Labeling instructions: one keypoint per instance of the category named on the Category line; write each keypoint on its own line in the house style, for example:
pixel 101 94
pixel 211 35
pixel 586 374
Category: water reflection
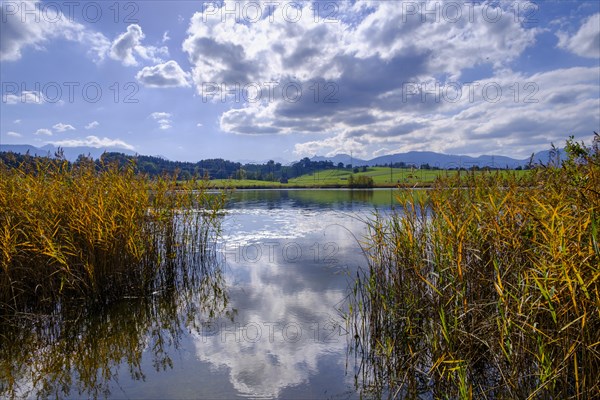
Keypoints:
pixel 340 199
pixel 287 271
pixel 79 351
pixel 257 316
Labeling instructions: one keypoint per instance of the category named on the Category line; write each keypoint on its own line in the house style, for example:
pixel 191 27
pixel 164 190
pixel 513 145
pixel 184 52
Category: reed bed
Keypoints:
pixel 95 232
pixel 73 353
pixel 488 287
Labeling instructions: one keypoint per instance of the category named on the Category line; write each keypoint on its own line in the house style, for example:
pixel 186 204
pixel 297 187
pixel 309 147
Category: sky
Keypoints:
pixel 252 81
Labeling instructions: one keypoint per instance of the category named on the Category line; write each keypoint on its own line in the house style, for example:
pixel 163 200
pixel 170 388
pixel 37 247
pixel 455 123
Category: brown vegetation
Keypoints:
pixel 487 287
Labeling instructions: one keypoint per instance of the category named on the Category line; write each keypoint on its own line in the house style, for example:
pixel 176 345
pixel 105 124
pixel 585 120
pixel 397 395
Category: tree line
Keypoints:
pixel 214 168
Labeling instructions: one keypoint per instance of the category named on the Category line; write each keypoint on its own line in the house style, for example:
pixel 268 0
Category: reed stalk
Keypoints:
pixel 95 232
pixel 486 288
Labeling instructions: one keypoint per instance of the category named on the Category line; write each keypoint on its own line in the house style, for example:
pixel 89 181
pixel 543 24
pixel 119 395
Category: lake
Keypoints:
pixel 262 320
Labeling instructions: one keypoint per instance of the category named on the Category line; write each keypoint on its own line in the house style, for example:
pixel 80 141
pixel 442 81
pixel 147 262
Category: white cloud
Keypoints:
pixel 163 119
pixel 586 41
pixel 92 125
pixel 17 121
pixel 164 123
pixel 13 134
pixel 168 74
pixel 18 33
pixel 26 97
pixel 380 152
pixel 94 141
pixel 548 110
pixel 369 55
pixel 229 51
pixel 199 125
pixel 60 127
pixel 361 62
pixel 43 131
pixel 98 45
pixel 331 146
pixel 123 46
pixel 166 37
pixel 128 45
pixel 159 115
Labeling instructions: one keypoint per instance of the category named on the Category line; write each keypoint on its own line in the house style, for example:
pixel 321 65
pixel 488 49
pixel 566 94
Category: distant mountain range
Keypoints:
pixel 416 158
pixel 280 160
pixel 440 160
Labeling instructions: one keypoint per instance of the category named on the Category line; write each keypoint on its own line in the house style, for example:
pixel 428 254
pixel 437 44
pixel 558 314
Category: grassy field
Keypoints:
pixel 382 177
pixel 487 287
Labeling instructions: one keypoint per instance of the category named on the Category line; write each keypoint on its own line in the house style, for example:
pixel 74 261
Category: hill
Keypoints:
pixel 439 160
pixel 342 158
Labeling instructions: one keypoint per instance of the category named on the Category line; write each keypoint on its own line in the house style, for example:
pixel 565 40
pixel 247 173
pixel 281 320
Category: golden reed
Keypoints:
pixel 487 286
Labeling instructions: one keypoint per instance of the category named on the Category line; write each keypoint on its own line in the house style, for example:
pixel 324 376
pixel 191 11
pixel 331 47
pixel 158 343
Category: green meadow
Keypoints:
pixel 382 177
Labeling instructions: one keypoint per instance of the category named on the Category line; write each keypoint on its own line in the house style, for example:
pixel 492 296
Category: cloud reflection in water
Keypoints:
pixel 287 269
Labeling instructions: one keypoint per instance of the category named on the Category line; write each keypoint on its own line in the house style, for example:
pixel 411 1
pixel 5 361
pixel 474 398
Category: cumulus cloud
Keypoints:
pixel 60 127
pixel 17 121
pixel 160 114
pixel 549 106
pixel 123 46
pixel 163 119
pixel 94 141
pixel 586 41
pixel 345 77
pixel 18 33
pixel 92 125
pixel 168 74
pixel 13 134
pixel 26 97
pixel 380 77
pixel 43 131
pixel 230 51
pixel 128 45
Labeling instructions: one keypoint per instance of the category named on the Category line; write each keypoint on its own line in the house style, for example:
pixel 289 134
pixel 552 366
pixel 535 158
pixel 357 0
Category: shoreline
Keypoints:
pixel 325 186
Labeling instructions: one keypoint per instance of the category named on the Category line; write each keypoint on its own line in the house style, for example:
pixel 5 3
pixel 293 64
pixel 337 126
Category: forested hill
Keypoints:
pixel 211 168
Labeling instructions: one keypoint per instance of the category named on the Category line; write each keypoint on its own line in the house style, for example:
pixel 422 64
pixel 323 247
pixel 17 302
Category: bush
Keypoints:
pixel 360 181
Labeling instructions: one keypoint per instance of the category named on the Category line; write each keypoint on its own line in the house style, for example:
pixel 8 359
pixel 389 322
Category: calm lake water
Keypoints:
pixel 264 322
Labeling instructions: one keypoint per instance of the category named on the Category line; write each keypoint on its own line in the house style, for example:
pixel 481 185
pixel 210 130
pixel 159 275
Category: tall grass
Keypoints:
pixel 486 288
pixel 95 232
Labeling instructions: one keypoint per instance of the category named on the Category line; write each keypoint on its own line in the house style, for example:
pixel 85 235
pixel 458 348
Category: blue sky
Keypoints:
pixel 250 80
